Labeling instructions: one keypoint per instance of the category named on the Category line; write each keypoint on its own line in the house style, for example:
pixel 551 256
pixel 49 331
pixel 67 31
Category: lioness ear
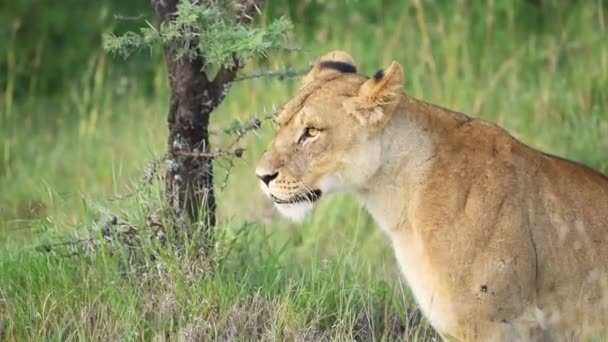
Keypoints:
pixel 378 97
pixel 331 63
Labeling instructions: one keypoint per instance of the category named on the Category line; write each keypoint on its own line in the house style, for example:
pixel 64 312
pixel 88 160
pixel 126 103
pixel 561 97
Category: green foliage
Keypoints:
pixel 44 47
pixel 207 32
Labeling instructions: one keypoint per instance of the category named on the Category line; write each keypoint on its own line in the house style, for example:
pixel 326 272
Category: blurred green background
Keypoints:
pixel 77 127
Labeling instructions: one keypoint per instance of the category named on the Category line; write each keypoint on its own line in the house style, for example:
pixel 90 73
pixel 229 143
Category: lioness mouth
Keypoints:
pixel 308 196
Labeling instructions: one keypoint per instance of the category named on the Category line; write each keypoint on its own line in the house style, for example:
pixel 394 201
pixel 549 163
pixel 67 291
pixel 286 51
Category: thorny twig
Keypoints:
pixel 112 231
pixel 254 124
pixel 238 152
pixel 83 245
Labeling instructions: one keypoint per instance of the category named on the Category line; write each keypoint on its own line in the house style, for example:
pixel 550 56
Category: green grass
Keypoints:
pixel 542 75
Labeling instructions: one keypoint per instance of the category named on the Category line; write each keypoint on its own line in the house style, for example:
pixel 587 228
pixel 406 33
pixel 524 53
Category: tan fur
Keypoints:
pixel 498 241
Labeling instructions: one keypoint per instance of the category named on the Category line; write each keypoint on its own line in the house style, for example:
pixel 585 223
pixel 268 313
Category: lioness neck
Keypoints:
pixel 408 145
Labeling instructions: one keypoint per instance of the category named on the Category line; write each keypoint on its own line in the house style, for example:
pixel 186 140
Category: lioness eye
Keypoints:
pixel 309 132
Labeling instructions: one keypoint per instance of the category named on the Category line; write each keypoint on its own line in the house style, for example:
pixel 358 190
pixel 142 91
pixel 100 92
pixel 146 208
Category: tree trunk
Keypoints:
pixel 189 178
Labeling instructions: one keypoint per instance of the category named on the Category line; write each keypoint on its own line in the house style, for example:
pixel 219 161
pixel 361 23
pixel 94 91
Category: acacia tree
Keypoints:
pixel 205 43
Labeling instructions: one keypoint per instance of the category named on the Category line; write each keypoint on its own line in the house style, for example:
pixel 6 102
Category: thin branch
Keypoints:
pixel 227 172
pixel 238 152
pixel 280 74
pixel 53 246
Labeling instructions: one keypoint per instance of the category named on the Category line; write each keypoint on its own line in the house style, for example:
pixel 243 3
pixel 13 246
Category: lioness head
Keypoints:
pixel 328 136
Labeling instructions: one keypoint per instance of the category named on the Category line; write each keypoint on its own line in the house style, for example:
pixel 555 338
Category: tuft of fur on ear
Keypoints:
pixel 378 97
pixel 333 62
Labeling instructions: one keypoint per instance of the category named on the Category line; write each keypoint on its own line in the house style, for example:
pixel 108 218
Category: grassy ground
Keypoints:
pixel 543 74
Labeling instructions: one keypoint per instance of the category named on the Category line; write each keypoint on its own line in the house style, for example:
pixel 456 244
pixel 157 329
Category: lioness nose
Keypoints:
pixel 267 178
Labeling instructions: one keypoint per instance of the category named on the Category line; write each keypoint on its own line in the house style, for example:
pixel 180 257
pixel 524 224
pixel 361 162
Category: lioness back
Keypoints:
pixel 572 278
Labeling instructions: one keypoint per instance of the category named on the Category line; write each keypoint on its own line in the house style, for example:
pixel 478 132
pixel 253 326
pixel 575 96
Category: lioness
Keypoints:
pixel 498 241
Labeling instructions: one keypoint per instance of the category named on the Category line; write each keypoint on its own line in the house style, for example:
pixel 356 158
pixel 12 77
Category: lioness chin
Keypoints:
pixel 498 241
